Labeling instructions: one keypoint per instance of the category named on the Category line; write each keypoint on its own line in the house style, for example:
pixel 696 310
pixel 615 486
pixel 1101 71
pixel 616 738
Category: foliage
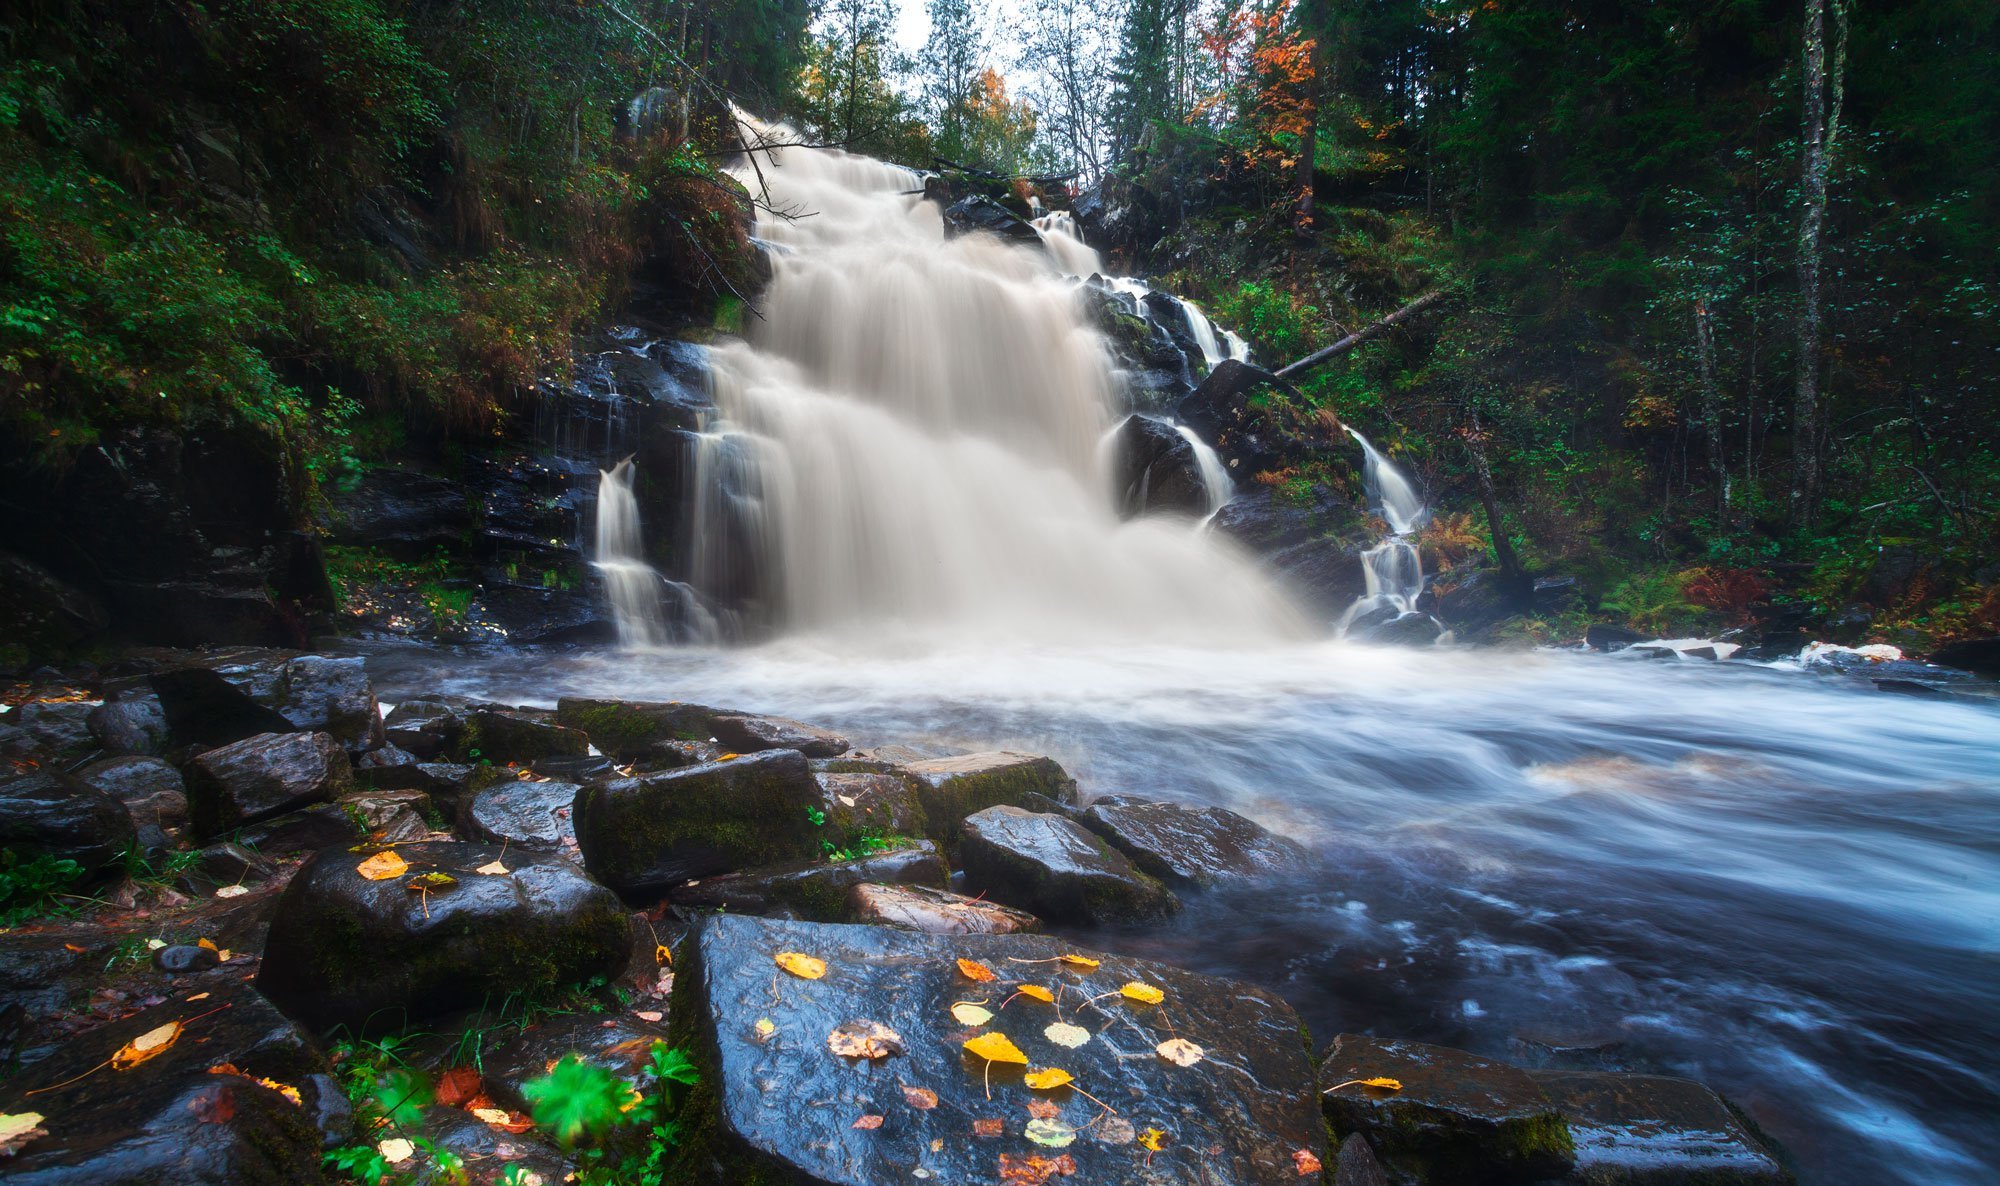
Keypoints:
pixel 33 886
pixel 618 1133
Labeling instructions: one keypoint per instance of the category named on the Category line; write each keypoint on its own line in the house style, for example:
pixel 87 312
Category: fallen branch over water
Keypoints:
pixel 1364 334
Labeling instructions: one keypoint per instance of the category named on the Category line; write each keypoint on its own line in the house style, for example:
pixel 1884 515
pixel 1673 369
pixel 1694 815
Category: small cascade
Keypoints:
pixel 1215 477
pixel 633 586
pixel 1393 569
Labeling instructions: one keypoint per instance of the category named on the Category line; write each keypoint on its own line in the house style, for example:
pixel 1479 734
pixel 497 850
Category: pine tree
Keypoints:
pixel 951 69
pixel 1142 78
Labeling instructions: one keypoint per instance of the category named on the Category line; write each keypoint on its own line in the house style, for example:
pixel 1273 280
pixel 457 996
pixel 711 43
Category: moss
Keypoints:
pixel 628 729
pixel 642 833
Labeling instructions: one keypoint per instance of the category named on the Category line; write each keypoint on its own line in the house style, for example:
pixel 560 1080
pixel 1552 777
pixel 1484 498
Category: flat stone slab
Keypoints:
pixel 936 911
pixel 1191 846
pixel 953 788
pixel 815 890
pixel 775 1103
pixel 532 815
pixel 745 733
pixel 1052 867
pixel 1654 1130
pixel 264 776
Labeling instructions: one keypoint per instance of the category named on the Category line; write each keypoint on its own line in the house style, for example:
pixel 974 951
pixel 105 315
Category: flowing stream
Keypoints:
pixel 1784 884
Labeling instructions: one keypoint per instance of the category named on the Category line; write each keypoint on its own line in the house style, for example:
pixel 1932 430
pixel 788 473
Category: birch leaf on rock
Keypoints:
pixel 805 967
pixel 1143 993
pixel 995 1047
pixel 383 865
pixel 1063 1034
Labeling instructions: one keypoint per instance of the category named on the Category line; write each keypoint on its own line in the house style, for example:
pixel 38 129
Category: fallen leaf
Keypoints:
pixel 805 967
pixel 994 1047
pixel 237 891
pixel 1062 1033
pixel 493 868
pixel 457 1085
pixel 663 955
pixel 1035 1169
pixel 1046 1080
pixel 430 883
pixel 869 1121
pixel 967 1013
pixel 209 944
pixel 396 1150
pixel 200 996
pixel 1115 1130
pixel 1153 1139
pixel 285 1089
pixel 1306 1163
pixel 1180 1052
pixel 923 1099
pixel 1038 992
pixel 148 1045
pixel 1079 961
pixel 988 1127
pixel 648 1014
pixel 76 947
pixel 728 757
pixel 937 1145
pixel 215 1106
pixel 973 970
pixel 155 944
pixel 18 1130
pixel 766 1027
pixel 1144 993
pixel 381 867
pixel 861 1038
pixel 1044 1109
pixel 1383 1084
pixel 1053 1133
pixel 493 1116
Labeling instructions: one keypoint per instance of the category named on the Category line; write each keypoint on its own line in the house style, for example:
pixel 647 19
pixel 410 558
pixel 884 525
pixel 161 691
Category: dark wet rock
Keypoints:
pixel 41 973
pixel 405 514
pixel 1651 1130
pixel 531 614
pixel 935 911
pixel 503 737
pixel 57 726
pixel 1252 435
pixel 1402 630
pixel 952 788
pixel 645 834
pixel 41 611
pixel 1474 603
pixel 203 707
pixel 745 734
pixel 576 770
pixel 1356 1165
pixel 1603 636
pixel 181 958
pixel 1776 644
pixel 345 949
pixel 44 813
pixel 1154 469
pixel 1978 655
pixel 151 789
pixel 672 755
pixel 1190 846
pixel 779 1107
pixel 1264 522
pixel 815 890
pixel 981 213
pixel 169 1119
pixel 629 728
pixel 530 815
pixel 858 805
pixel 1651 652
pixel 131 724
pixel 264 776
pixel 1458 1119
pixel 390 768
pixel 331 1112
pixel 334 696
pixel 1707 653
pixel 227 864
pixel 486 1151
pixel 619 1043
pixel 390 817
pixel 306 830
pixel 1054 868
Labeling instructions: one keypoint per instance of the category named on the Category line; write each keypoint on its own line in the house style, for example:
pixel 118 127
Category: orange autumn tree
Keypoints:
pixel 1264 69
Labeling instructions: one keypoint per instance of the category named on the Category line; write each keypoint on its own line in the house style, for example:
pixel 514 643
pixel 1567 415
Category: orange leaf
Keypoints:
pixel 975 971
pixel 923 1099
pixel 382 866
pixel 870 1121
pixel 457 1085
pixel 146 1046
pixel 1035 1169
pixel 1307 1164
pixel 1044 1109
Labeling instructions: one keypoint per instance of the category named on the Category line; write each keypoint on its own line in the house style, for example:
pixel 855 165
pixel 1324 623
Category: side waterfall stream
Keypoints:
pixel 1785 885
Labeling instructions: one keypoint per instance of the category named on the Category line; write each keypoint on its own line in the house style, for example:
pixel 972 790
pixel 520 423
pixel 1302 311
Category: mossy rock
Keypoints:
pixel 1057 869
pixel 951 789
pixel 503 737
pixel 628 729
pixel 818 891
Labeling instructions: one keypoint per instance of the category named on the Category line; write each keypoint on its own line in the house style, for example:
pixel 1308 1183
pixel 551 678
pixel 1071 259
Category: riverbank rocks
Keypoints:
pixel 861 804
pixel 621 1044
pixel 151 789
pixel 1056 869
pixel 1653 1130
pixel 319 694
pixel 629 729
pixel 172 1118
pixel 46 815
pixel 815 889
pixel 935 911
pixel 502 737
pixel 1190 846
pixel 1458 1119
pixel 646 834
pixel 1231 1107
pixel 264 776
pixel 530 815
pixel 745 733
pixel 981 213
pixel 348 948
pixel 953 788
pixel 1606 636
pixel 131 724
pixel 1155 469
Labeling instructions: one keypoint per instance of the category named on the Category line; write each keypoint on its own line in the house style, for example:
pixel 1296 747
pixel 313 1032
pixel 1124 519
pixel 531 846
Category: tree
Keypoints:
pixel 1818 136
pixel 951 72
pixel 999 131
pixel 1066 51
pixel 1142 78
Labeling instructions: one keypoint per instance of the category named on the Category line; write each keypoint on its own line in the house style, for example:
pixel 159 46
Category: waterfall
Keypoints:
pixel 1215 479
pixel 650 610
pixel 1393 570
pixel 909 438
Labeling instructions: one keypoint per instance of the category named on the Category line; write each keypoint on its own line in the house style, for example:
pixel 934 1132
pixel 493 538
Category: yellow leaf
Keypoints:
pixel 18 1130
pixel 492 1115
pixel 974 970
pixel 1062 1033
pixel 1038 992
pixel 382 866
pixel 805 967
pixel 766 1027
pixel 396 1150
pixel 967 1013
pixel 1153 1139
pixel 493 869
pixel 662 954
pixel 728 757
pixel 285 1089
pixel 994 1047
pixel 1053 1133
pixel 151 1044
pixel 1145 993
pixel 1048 1079
pixel 1180 1052
pixel 208 943
pixel 1079 961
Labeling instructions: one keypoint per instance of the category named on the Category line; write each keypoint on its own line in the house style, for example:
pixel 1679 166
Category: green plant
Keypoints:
pixel 865 842
pixel 619 1135
pixel 162 872
pixel 33 886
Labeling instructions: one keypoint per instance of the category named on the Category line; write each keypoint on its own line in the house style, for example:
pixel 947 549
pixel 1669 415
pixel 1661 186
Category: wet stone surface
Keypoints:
pixel 530 815
pixel 746 734
pixel 1190 846
pixel 936 911
pixel 816 890
pixel 1055 868
pixel 776 1103
pixel 264 776
pixel 1653 1130
pixel 621 1044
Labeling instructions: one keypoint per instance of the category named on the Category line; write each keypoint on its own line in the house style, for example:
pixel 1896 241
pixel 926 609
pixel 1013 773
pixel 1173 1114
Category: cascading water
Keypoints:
pixel 1393 569
pixel 632 585
pixel 907 438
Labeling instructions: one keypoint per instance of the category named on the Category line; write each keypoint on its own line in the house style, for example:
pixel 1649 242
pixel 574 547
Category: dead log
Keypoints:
pixel 1364 334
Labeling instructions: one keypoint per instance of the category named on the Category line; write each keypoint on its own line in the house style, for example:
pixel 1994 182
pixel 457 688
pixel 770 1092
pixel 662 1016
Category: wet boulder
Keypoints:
pixel 318 694
pixel 1154 469
pixel 151 789
pixel 646 834
pixel 226 863
pixel 745 734
pixel 530 815
pixel 858 805
pixel 404 514
pixel 262 777
pixel 502 737
pixel 45 814
pixel 1458 1119
pixel 1190 846
pixel 952 788
pixel 389 817
pixel 308 829
pixel 777 1105
pixel 130 724
pixel 814 889
pixel 1605 636
pixel 1252 434
pixel 629 729
pixel 170 1118
pixel 1653 1130
pixel 56 726
pixel 1057 869
pixel 1410 629
pixel 390 768
pixel 41 612
pixel 935 911
pixel 205 707
pixel 981 213
pixel 621 1044
pixel 347 948
pixel 1980 656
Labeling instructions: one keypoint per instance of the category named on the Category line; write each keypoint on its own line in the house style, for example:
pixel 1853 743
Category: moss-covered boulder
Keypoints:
pixel 1458 1120
pixel 629 729
pixel 346 948
pixel 262 777
pixel 816 890
pixel 1052 867
pixel 859 805
pixel 645 834
pixel 518 737
pixel 953 788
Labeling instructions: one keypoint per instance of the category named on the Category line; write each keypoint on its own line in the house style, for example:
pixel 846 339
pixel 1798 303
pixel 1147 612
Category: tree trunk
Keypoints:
pixel 1711 397
pixel 1812 221
pixel 1309 142
pixel 1362 335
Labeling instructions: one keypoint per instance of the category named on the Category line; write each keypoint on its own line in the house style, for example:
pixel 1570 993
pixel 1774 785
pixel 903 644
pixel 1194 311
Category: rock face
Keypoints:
pixel 645 834
pixel 815 890
pixel 347 949
pixel 1056 869
pixel 1978 655
pixel 748 734
pixel 204 708
pixel 936 911
pixel 168 1119
pixel 58 726
pixel 859 803
pixel 151 790
pixel 1604 636
pixel 132 724
pixel 1154 469
pixel 1248 435
pixel 264 776
pixel 1314 544
pixel 628 729
pixel 981 213
pixel 1190 846
pixel 782 1107
pixel 953 788
pixel 241 694
pixel 47 814
pixel 530 815
pixel 503 737
pixel 1651 1130
pixel 1459 1119
pixel 406 514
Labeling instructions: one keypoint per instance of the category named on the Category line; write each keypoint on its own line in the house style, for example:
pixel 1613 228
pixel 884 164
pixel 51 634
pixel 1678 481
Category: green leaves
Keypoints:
pixel 671 1066
pixel 577 1099
pixel 400 1095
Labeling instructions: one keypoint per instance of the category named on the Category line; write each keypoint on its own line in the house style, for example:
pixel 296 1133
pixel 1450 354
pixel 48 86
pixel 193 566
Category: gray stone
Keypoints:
pixel 858 804
pixel 334 696
pixel 629 729
pixel 58 726
pixel 1057 869
pixel 523 738
pixel 1652 1130
pixel 814 890
pixel 133 724
pixel 44 814
pixel 389 817
pixel 1190 846
pixel 952 788
pixel 264 776
pixel 621 1044
pixel 745 734
pixel 936 911
pixel 151 789
pixel 530 815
